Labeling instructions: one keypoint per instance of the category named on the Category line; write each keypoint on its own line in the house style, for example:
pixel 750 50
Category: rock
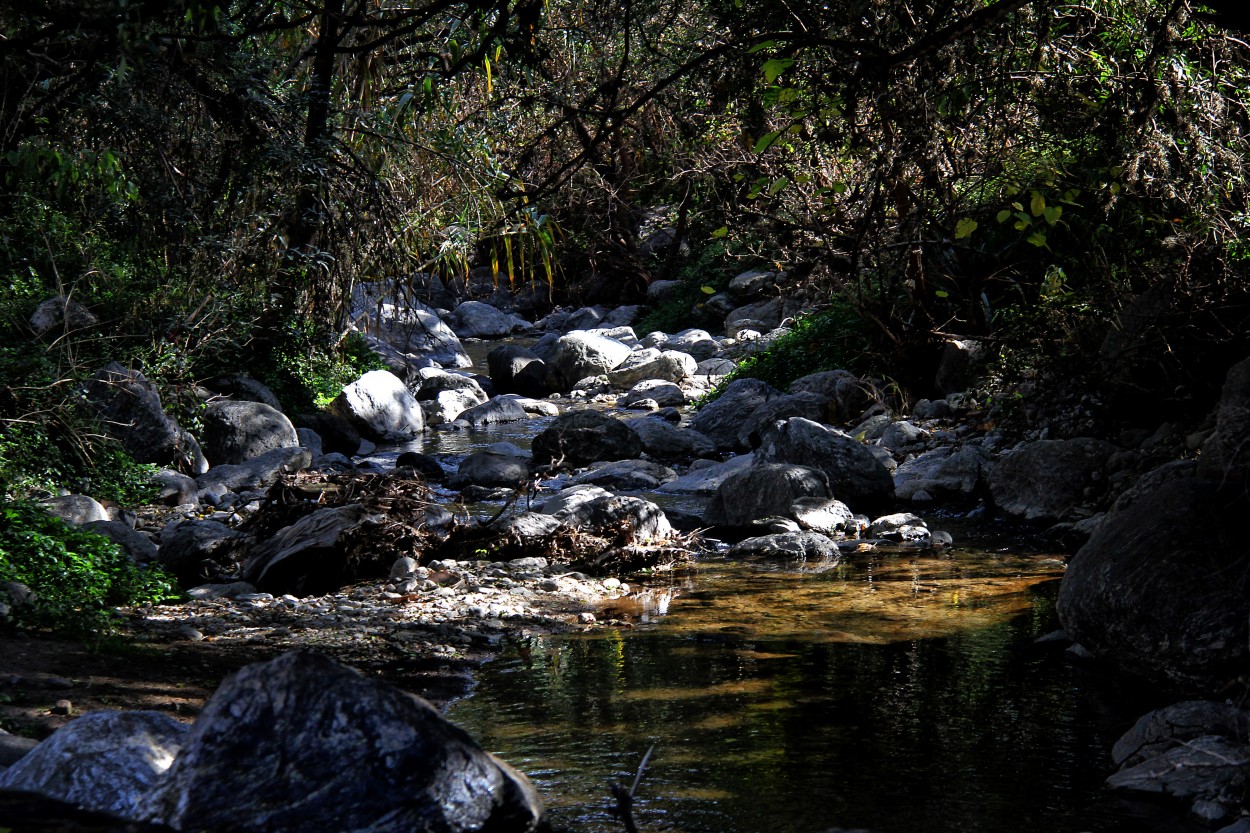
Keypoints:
pixel 856 477
pixel 337 434
pixel 944 474
pixel 579 438
pixel 900 526
pixel 104 761
pixel 590 507
pixel 585 318
pixel 752 284
pixel 229 590
pixel 137 545
pixel 663 394
pixel 1204 766
pixel 623 316
pixel 706 479
pixel 493 466
pixel 958 365
pixel 530 526
pixel 826 516
pixel 76 509
pixel 578 354
pixel 175 488
pixel 243 388
pixel 627 475
pixel 721 420
pixel 665 441
pixel 301 743
pixel 625 335
pixel 763 490
pixel 1163 729
pixel 13 749
pixel 505 363
pixel 61 314
pixel 803 546
pixel 902 436
pixel 759 424
pixel 433 381
pixel 129 410
pixel 186 545
pixel 850 394
pixel 498 410
pixel 474 319
pixel 1226 453
pixel 448 405
pixel 659 292
pixel 1163 586
pixel 666 365
pixel 235 432
pixel 409 326
pixel 258 473
pixel 698 343
pixel 424 464
pixel 310 440
pixel 1046 480
pixel 309 556
pixel 379 406
pixel 770 312
pixel 715 367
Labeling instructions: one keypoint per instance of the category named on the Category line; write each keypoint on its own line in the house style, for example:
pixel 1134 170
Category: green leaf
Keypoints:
pixel 767 140
pixel 760 47
pixel 708 290
pixel 965 228
pixel 839 187
pixel 720 232
pixel 1004 215
pixel 1038 238
pixel 1053 213
pixel 776 66
pixel 778 186
pixel 942 293
pixel 1037 204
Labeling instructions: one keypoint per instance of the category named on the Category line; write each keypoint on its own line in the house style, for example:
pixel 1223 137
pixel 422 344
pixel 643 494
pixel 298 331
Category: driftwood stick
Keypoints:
pixel 625 797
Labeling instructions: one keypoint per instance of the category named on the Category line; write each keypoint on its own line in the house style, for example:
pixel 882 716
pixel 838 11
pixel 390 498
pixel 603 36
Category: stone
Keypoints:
pixel 826 516
pixel 958 365
pixel 579 354
pixel 1162 729
pixel 257 473
pixel 175 488
pixel 759 424
pixel 137 545
pixel 721 420
pixel 495 411
pixel 650 363
pixel 715 367
pixel 13 748
pixel 424 464
pixel 665 441
pixel 310 440
pixel 752 284
pixel 851 395
pixel 627 475
pixel 64 315
pixel 337 434
pixel 855 476
pixel 659 292
pixel 505 362
pixel 663 394
pixel 406 324
pixel 1226 453
pixel 1162 587
pixel 803 546
pixel 901 435
pixel 243 388
pixel 129 410
pixel 705 480
pixel 1204 766
pixel 579 438
pixel 106 761
pixel 237 431
pixel 900 526
pixel 944 474
pixel 763 490
pixel 310 556
pixel 1046 480
pixel 380 407
pixel 186 545
pixel 76 509
pixel 698 343
pixel 492 467
pixel 474 319
pixel 593 508
pixel 302 743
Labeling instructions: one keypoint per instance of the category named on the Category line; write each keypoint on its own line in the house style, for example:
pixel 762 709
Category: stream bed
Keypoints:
pixel 896 692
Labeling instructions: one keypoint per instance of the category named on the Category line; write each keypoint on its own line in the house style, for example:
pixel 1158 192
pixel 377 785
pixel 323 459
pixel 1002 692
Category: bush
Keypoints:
pixel 76 575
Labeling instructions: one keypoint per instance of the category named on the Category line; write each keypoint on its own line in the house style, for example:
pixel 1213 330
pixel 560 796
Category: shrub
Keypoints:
pixel 76 575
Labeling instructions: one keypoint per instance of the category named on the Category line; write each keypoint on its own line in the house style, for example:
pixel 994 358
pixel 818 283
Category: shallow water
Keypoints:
pixel 896 692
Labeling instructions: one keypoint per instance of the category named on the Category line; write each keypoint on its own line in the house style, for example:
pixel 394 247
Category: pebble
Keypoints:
pixel 63 707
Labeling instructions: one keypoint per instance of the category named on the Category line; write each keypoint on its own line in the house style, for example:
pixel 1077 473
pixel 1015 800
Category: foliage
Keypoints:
pixel 306 375
pixel 76 575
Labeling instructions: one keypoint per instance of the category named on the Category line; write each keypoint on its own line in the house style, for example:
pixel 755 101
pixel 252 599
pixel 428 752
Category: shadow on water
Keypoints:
pixel 899 693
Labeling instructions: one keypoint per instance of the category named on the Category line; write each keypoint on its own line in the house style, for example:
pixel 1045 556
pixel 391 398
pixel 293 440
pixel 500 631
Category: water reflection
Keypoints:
pixel 891 692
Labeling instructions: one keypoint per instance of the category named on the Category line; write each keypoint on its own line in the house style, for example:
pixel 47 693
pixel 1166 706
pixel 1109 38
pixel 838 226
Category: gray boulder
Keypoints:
pixel 826 516
pixel 1226 453
pixel 721 420
pixel 235 432
pixel 1046 480
pixel 337 434
pixel 850 394
pixel 759 425
pixel 474 319
pixel 61 314
pixel 175 488
pixel 761 491
pixel 448 405
pixel 627 475
pixel 498 465
pixel 505 364
pixel 243 388
pixel 409 326
pixel 137 545
pixel 665 441
pixel 663 394
pixel 310 556
pixel 380 407
pixel 698 343
pixel 704 477
pixel 186 546
pixel 595 509
pixel 798 546
pixel 302 743
pixel 129 410
pixel 579 438
pixel 856 477
pixel 753 284
pixel 257 473
pixel 76 509
pixel 899 526
pixel 1162 587
pixel 1162 729
pixel 944 474
pixel 1209 767
pixel 495 411
pixel 580 354
pixel 650 363
pixel 105 761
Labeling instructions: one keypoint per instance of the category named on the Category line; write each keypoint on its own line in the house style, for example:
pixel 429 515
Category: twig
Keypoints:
pixel 625 798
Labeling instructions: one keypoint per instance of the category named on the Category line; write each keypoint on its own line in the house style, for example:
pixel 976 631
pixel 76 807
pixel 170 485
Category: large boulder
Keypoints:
pixel 243 388
pixel 104 761
pixel 580 354
pixel 1162 587
pixel 627 475
pixel 409 326
pixel 1226 453
pixel 257 473
pixel 704 477
pixel 444 396
pixel 698 343
pixel 663 394
pixel 650 363
pixel 665 441
pixel 379 406
pixel 474 319
pixel 236 431
pixel 1046 480
pixel 137 545
pixel 856 477
pixel 850 394
pixel 495 411
pixel 337 434
pixel 191 550
pixel 761 491
pixel 311 555
pixel 505 363
pixel 501 464
pixel 795 546
pixel 76 509
pixel 129 409
pixel 759 425
pixel 943 474
pixel 598 510
pixel 62 314
pixel 721 420
pixel 302 743
pixel 578 438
